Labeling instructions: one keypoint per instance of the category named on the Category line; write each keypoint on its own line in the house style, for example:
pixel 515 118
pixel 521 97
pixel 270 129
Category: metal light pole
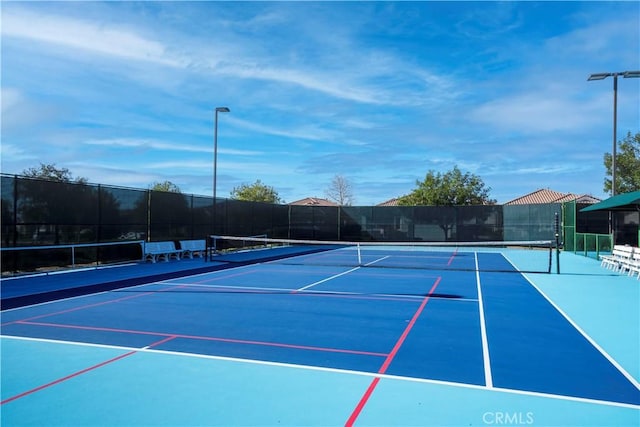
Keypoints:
pixel 602 76
pixel 215 161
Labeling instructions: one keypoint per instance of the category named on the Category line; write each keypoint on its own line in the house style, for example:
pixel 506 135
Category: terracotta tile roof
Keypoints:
pixel 586 198
pixel 545 195
pixel 391 202
pixel 313 201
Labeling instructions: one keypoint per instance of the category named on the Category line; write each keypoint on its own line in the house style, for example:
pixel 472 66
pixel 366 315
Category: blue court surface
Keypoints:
pixel 470 340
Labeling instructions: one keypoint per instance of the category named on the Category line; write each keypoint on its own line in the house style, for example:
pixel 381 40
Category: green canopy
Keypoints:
pixel 621 202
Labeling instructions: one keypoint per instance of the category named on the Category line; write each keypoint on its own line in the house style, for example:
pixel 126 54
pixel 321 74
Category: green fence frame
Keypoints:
pixel 587 244
pixel 592 245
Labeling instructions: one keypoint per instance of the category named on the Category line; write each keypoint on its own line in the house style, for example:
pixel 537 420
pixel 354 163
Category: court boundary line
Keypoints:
pixel 73 297
pixel 334 370
pixel 335 276
pixel 582 332
pixel 91 305
pixel 66 377
pixel 387 362
pixel 205 338
pixel 82 371
pixel 486 359
pixel 115 290
pixel 259 290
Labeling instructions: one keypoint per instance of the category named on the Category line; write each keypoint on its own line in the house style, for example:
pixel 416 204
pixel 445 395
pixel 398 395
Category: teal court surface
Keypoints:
pixel 477 338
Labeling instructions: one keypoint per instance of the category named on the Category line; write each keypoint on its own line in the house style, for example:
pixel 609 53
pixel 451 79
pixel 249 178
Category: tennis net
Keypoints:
pixel 513 256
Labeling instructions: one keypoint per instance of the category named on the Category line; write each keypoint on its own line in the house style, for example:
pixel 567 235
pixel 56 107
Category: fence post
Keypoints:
pixel 148 215
pixel 15 210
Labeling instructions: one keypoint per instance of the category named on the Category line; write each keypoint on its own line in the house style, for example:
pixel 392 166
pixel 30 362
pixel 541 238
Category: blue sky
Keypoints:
pixel 123 93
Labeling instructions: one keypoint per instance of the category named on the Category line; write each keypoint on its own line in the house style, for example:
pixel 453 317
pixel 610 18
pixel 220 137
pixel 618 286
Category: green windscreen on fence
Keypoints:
pixel 41 212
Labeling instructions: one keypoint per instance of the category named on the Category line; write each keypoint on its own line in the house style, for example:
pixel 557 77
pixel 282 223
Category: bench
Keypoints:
pixel 619 255
pixel 633 264
pixel 193 248
pixel 155 251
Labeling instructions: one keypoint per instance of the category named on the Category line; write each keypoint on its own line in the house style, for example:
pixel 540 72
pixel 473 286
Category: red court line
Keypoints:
pixel 205 338
pixel 162 341
pixel 83 371
pixel 363 401
pixel 326 294
pixel 82 307
pixel 411 299
pixel 226 276
pixel 75 374
pixel 453 256
pixel 390 357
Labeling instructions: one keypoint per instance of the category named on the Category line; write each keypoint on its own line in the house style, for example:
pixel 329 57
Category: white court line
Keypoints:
pixel 619 367
pixel 488 378
pixel 377 260
pixel 304 288
pixel 319 292
pixel 335 370
pixel 164 282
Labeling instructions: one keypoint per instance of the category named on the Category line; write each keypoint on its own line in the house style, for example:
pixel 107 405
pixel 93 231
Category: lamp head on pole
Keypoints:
pixel 624 74
pixel 599 76
pixel 222 110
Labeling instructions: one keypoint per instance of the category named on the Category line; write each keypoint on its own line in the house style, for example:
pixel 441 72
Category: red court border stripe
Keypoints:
pixel 363 401
pixel 453 256
pixel 97 304
pixel 205 338
pixel 83 371
pixel 390 357
pixel 68 377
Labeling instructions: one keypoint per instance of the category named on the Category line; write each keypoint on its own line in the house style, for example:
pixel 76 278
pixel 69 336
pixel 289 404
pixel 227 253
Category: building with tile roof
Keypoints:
pixel 542 196
pixel 391 202
pixel 313 201
pixel 545 195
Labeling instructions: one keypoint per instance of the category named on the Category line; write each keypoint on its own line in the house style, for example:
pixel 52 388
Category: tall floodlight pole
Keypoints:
pixel 215 162
pixel 602 76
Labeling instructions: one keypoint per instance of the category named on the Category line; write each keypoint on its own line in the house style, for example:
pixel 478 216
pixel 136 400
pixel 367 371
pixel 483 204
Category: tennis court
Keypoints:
pixel 457 336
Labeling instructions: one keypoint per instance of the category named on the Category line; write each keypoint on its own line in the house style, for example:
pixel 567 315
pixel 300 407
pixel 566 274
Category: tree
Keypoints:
pixel 452 188
pixel 256 192
pixel 340 191
pixel 166 186
pixel 51 173
pixel 627 165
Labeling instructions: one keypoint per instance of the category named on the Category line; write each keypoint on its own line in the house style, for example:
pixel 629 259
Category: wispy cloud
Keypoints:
pixel 600 41
pixel 380 92
pixel 85 35
pixel 15 153
pixel 306 132
pixel 166 146
pixel 535 112
pixel 493 20
pixel 361 84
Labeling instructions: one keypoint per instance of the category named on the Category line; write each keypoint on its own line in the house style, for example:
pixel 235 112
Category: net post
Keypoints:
pixel 211 247
pixel 557 236
pixel 359 254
